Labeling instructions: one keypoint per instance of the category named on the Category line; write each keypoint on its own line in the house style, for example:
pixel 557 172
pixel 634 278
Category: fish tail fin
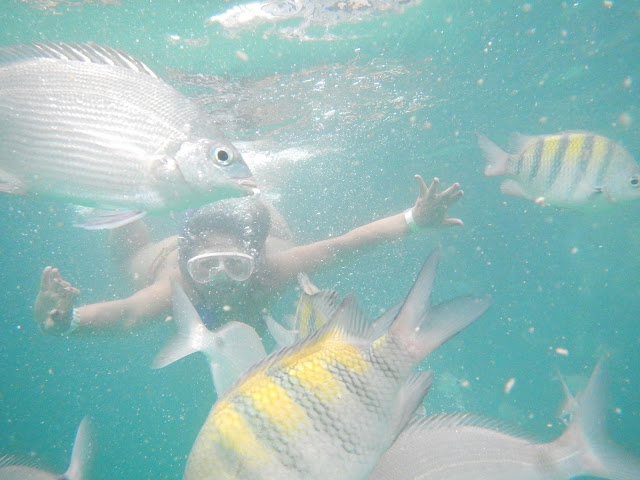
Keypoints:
pixel 569 403
pixel 283 336
pixel 496 157
pixel 81 453
pixel 599 455
pixel 190 335
pixel 230 350
pixel 422 327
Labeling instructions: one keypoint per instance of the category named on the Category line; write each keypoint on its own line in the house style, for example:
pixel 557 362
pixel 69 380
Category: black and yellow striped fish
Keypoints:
pixel 569 169
pixel 330 405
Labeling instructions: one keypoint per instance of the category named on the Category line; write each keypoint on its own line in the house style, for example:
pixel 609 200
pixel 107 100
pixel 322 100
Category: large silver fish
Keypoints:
pixel 80 457
pixel 94 126
pixel 468 447
pixel 330 405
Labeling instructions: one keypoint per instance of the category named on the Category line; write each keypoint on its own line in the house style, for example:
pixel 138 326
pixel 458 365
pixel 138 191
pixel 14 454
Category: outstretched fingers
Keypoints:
pixel 452 192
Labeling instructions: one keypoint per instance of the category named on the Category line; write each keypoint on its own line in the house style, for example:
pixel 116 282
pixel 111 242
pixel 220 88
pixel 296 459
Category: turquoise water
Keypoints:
pixel 389 97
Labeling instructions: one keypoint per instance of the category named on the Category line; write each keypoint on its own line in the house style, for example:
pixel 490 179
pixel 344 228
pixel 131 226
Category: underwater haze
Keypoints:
pixel 335 115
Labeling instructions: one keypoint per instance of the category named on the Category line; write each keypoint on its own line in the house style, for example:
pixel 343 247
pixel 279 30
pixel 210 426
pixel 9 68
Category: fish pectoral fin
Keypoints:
pixel 513 188
pixel 109 220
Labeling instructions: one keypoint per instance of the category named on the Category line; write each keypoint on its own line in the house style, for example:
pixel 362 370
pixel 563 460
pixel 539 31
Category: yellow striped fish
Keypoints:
pixel 567 169
pixel 315 308
pixel 330 405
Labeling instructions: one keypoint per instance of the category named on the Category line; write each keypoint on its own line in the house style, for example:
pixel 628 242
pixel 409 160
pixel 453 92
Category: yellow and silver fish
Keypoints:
pixel 568 169
pixel 330 405
pixel 314 309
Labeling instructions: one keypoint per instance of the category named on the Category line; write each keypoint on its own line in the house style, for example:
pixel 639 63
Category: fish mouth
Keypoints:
pixel 249 185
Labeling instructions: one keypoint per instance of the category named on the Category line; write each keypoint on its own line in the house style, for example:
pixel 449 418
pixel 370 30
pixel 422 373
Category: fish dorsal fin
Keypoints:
pixel 448 421
pixel 518 142
pixel 19 460
pixel 350 320
pixel 75 52
pixel 319 309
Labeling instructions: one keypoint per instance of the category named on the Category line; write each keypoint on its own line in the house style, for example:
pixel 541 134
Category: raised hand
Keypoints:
pixel 430 209
pixel 54 304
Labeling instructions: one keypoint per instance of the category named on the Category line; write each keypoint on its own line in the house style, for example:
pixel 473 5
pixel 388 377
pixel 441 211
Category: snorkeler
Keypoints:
pixel 232 259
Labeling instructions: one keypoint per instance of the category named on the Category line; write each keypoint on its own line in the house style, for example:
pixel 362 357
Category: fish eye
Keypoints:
pixel 634 181
pixel 222 156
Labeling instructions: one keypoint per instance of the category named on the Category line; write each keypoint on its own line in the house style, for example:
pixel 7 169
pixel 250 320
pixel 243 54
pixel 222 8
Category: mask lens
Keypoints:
pixel 239 268
pixel 203 268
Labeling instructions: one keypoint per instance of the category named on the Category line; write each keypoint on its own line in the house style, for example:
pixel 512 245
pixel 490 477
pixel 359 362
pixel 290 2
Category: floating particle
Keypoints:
pixel 624 119
pixel 509 385
pixel 562 351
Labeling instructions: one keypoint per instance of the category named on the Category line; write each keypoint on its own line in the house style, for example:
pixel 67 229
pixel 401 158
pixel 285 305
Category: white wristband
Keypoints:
pixel 75 322
pixel 412 226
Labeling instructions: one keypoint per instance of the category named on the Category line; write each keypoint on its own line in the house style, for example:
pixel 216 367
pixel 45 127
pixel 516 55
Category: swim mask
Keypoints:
pixel 206 267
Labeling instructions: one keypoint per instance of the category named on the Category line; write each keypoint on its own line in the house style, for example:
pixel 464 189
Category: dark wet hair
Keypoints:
pixel 246 219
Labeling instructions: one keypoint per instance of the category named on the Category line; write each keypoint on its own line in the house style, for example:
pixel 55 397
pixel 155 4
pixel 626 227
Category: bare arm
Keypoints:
pixel 430 210
pixel 146 306
pixel 53 310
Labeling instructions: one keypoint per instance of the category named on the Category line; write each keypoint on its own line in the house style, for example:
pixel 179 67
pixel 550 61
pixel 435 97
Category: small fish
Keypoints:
pixel 315 308
pixel 94 126
pixel 80 458
pixel 230 350
pixel 470 447
pixel 310 12
pixel 330 405
pixel 570 169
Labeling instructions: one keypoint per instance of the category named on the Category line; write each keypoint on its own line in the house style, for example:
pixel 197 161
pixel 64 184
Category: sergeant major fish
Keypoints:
pixel 314 309
pixel 80 457
pixel 331 404
pixel 570 169
pixel 469 447
pixel 94 126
